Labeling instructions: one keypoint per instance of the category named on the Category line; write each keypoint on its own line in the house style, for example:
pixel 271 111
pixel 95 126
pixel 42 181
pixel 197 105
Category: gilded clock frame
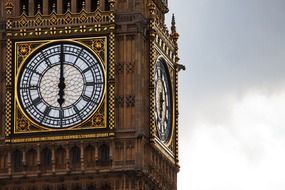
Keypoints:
pixel 19 67
pixel 168 148
pixel 92 44
pixel 83 25
pixel 167 66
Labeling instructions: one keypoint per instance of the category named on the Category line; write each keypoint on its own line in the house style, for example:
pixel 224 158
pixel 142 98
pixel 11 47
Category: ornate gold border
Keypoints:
pixel 17 68
pixel 112 81
pixel 176 116
pixel 54 138
pixel 112 60
pixel 171 83
pixel 40 25
pixel 9 91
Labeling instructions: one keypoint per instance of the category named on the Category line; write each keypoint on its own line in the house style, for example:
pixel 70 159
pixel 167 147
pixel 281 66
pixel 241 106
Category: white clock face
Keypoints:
pixel 61 85
pixel 162 102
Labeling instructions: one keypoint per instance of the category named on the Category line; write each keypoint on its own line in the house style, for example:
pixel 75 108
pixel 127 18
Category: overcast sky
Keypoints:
pixel 232 95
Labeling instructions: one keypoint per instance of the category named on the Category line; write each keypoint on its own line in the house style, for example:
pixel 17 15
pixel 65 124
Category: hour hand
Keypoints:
pixel 61 84
pixel 61 87
pixel 161 101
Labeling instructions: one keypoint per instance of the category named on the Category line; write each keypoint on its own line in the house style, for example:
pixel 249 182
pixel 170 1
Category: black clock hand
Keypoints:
pixel 61 84
pixel 160 104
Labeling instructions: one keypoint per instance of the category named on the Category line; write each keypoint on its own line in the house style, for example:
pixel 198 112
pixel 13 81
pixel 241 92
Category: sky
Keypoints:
pixel 232 94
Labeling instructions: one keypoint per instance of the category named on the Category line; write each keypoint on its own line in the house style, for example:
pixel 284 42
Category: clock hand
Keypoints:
pixel 160 104
pixel 61 84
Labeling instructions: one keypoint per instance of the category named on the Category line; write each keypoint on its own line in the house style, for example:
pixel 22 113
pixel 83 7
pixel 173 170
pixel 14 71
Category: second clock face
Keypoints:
pixel 163 105
pixel 61 85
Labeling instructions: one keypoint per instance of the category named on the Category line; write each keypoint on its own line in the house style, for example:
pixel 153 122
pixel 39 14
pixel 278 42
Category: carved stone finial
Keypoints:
pixel 53 8
pixel 174 34
pixel 39 8
pixel 112 4
pixel 9 7
pixel 173 24
pixel 151 7
pixel 83 5
pixel 68 6
pixel 24 10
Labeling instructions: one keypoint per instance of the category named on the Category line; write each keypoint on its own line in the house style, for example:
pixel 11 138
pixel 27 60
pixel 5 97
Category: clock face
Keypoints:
pixel 163 105
pixel 61 85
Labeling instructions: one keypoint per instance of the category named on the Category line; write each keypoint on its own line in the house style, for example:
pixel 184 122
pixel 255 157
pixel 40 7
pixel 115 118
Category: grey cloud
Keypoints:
pixel 231 44
pixel 229 47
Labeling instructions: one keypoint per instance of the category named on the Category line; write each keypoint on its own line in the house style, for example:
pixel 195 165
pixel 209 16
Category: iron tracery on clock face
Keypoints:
pixel 163 103
pixel 61 85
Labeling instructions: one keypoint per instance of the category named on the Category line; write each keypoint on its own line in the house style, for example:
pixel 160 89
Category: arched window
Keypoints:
pixel 31 159
pixel 60 157
pixel 75 155
pixel 89 155
pixel 46 157
pixel 17 157
pixel 104 153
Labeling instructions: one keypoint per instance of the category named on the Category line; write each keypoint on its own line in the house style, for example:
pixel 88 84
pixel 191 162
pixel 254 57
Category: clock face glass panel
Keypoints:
pixel 61 85
pixel 163 105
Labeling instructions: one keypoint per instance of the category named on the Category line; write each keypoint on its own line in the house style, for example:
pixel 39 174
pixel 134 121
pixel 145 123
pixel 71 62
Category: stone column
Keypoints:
pixel 2 9
pixel 101 4
pixel 24 157
pixel 31 8
pixel 53 158
pixel 125 153
pixel 67 158
pixel 38 158
pixel 24 161
pixel 59 5
pixel 73 6
pixel 88 5
pixel 111 146
pixel 45 7
pixel 17 9
pixel 96 152
pixel 82 156
pixel 9 163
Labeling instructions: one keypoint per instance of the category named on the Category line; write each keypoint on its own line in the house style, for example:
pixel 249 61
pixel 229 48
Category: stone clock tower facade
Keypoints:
pixel 89 95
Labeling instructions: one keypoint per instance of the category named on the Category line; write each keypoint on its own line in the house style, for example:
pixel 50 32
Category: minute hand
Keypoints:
pixel 61 84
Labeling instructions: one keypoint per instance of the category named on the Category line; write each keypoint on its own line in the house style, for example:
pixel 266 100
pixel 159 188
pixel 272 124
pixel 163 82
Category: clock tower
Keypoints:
pixel 89 95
